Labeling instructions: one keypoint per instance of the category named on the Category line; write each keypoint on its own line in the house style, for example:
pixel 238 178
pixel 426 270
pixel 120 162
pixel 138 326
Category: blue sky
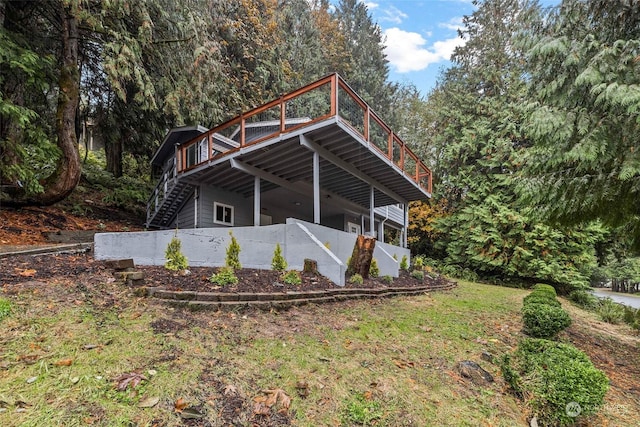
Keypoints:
pixel 420 36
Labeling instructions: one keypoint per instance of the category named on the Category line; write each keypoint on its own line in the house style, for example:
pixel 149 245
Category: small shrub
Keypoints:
pixel 537 298
pixel 374 271
pixel 418 263
pixel 176 261
pixel 544 320
pixel 278 263
pixel 418 274
pixel 632 317
pixel 610 311
pixel 225 276
pixel 361 410
pixel 584 299
pixel 356 279
pixel 292 277
pixel 5 308
pixel 404 263
pixel 233 253
pixel 550 375
pixel 387 279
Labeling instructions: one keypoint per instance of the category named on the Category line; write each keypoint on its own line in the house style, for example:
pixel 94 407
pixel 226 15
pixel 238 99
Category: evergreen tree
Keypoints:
pixel 365 67
pixel 585 116
pixel 479 130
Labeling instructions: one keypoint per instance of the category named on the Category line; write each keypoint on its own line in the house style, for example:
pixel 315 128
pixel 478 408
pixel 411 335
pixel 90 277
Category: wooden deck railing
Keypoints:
pixel 328 97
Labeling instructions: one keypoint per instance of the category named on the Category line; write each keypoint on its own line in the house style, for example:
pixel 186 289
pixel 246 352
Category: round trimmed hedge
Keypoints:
pixel 544 320
pixel 540 298
pixel 553 375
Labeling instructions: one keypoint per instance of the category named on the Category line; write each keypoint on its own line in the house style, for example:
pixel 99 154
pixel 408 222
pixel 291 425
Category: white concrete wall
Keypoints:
pixel 207 247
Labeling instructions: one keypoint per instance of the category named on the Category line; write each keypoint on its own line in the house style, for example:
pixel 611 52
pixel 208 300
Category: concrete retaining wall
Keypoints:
pixel 206 247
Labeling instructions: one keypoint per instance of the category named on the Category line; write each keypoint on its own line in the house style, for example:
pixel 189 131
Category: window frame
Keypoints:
pixel 224 206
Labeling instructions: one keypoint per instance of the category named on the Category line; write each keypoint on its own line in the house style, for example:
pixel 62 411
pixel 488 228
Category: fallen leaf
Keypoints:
pixel 27 273
pixel 191 413
pixel 272 397
pixel 149 402
pixel 180 404
pixel 129 379
pixel 64 362
pixel 230 389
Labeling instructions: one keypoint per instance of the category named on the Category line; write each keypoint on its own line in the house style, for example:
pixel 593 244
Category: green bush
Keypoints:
pixel 5 308
pixel 404 263
pixel 233 253
pixel 225 276
pixel 547 289
pixel 292 277
pixel 387 279
pixel 544 320
pixel 610 311
pixel 550 375
pixel 374 270
pixel 356 279
pixel 632 317
pixel 278 263
pixel 540 298
pixel 584 299
pixel 418 274
pixel 176 261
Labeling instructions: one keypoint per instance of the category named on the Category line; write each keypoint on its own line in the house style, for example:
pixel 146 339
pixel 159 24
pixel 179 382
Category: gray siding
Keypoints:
pixel 242 207
pixel 186 215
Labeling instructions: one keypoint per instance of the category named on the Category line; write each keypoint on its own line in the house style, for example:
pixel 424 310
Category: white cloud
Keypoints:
pixel 393 14
pixel 454 23
pixel 407 51
pixel 370 5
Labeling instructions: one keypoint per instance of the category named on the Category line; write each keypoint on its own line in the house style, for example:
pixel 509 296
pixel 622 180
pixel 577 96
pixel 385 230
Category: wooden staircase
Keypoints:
pixel 166 200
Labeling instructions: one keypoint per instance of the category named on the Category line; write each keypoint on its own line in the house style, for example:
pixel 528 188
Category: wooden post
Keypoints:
pixel 361 256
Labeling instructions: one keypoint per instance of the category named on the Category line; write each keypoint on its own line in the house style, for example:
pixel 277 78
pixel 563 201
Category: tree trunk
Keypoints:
pixel 67 175
pixel 113 153
pixel 361 256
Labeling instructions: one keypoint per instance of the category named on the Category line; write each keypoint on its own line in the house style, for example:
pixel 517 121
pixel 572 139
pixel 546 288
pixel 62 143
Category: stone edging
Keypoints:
pixel 277 300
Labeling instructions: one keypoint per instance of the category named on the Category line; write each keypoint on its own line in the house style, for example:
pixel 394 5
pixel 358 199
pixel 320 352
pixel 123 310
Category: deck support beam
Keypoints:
pixel 305 141
pixel 372 211
pixel 316 187
pixel 256 201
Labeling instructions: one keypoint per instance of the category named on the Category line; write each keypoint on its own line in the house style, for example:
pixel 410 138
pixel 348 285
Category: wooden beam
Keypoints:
pixel 326 154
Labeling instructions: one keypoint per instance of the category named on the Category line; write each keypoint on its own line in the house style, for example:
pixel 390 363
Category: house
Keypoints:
pixel 318 157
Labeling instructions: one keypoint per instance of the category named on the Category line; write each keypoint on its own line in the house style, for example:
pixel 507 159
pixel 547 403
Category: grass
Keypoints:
pixel 389 362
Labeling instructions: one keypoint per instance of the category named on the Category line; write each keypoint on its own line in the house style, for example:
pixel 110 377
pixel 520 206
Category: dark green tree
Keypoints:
pixel 365 67
pixel 478 128
pixel 585 115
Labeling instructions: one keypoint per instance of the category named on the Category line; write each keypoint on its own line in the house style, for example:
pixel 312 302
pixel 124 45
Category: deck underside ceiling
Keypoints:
pixel 348 167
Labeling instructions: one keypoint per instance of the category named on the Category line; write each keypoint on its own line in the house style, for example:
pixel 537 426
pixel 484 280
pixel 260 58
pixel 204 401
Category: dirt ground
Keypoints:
pixel 84 268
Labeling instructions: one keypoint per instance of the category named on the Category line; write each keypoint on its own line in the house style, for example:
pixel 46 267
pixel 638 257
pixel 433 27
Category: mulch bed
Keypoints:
pixel 84 268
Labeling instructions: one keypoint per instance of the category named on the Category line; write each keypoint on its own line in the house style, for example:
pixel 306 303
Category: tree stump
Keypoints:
pixel 361 256
pixel 310 266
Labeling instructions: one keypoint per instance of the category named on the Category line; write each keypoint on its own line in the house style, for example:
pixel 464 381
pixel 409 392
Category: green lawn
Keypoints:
pixel 387 362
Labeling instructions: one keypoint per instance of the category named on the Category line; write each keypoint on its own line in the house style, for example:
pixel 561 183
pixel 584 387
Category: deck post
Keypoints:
pixel 256 201
pixel 405 230
pixel 372 211
pixel 316 187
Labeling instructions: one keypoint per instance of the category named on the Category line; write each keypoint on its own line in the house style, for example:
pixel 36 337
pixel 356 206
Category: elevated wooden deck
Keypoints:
pixel 275 139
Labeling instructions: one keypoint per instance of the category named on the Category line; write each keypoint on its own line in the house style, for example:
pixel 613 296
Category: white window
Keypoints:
pixel 222 214
pixel 353 228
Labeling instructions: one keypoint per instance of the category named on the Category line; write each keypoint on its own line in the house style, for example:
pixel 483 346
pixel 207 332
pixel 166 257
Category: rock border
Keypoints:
pixel 278 300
